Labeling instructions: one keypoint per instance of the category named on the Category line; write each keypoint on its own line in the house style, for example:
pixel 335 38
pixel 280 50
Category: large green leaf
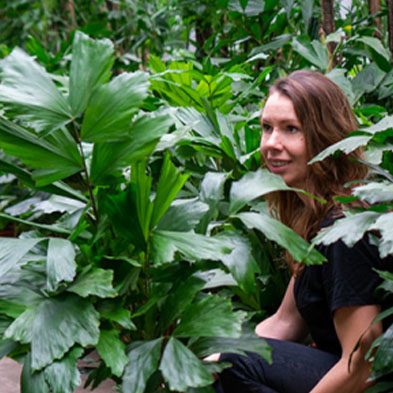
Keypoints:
pixel 60 264
pixel 181 368
pixel 347 145
pixel 66 320
pixel 169 184
pixel 91 63
pixel 108 115
pixel 384 124
pixel 143 361
pixel 183 215
pixel 12 251
pixel 164 245
pixel 379 53
pixel 274 230
pixel 52 162
pixel 344 229
pixel 375 192
pixel 211 317
pixel 313 51
pixel 111 157
pixel 112 350
pixel 28 89
pixel 63 375
pixel 384 225
pixel 94 281
pixel 240 261
pixel 178 299
pixel 367 80
pixel 253 185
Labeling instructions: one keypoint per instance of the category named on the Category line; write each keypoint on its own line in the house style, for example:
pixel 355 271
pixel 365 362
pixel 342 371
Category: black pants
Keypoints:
pixel 296 368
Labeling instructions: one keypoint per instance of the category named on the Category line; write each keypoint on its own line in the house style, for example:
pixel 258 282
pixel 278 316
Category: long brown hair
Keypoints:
pixel 326 117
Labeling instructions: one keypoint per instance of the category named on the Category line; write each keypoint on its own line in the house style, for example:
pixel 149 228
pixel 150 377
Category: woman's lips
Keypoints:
pixel 278 166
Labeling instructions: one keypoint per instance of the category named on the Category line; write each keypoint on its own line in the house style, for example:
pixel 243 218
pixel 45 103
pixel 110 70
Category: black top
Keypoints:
pixel 346 279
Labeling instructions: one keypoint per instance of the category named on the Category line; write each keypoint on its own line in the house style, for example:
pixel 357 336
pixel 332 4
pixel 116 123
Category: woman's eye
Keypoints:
pixel 266 127
pixel 293 129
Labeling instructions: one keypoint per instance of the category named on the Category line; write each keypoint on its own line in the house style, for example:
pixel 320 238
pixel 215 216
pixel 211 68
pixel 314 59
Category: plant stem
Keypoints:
pixel 88 184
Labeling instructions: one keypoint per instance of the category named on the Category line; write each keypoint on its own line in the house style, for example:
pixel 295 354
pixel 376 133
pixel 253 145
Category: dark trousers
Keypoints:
pixel 296 368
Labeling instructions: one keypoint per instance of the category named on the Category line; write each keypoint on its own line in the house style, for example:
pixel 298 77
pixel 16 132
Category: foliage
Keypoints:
pixel 131 176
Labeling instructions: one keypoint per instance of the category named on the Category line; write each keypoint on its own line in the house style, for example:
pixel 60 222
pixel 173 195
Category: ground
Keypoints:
pixel 10 374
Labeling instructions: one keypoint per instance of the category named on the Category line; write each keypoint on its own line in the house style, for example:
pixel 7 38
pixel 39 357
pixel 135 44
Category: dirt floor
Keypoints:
pixel 10 373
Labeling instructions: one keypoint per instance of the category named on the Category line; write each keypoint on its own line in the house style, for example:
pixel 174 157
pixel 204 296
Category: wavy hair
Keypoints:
pixel 326 117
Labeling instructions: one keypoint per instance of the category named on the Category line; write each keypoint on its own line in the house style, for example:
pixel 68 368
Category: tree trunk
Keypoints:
pixel 328 25
pixel 374 7
pixel 390 24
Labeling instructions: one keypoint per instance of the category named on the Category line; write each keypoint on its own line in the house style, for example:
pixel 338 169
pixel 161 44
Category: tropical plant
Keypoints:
pixel 124 251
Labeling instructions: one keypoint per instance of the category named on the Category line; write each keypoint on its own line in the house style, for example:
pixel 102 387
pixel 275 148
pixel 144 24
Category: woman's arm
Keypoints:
pixel 350 375
pixel 286 323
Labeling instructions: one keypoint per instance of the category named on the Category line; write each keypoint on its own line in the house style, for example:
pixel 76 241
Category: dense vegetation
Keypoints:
pixel 131 188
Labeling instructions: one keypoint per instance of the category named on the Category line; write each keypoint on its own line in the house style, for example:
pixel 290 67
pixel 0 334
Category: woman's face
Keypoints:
pixel 283 145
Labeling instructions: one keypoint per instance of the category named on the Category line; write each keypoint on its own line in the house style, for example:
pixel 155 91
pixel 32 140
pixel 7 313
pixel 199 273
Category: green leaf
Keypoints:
pixel 142 363
pixel 108 115
pixel 379 53
pixel 122 211
pixel 169 184
pixel 29 90
pixel 114 311
pixel 253 185
pixel 337 75
pixel 367 80
pixel 313 51
pixel 384 225
pixel 343 229
pixel 183 215
pixel 52 161
pixel 307 10
pixel 63 375
pixel 66 320
pixel 32 382
pixel 211 317
pixel 178 299
pixel 274 230
pixel 375 192
pixel 384 124
pixel 112 351
pixel 240 261
pixel 164 245
pixel 212 187
pixel 182 369
pixel 60 264
pixel 110 157
pixel 205 346
pixel 12 251
pixel 347 146
pixel 11 309
pixel 94 281
pixel 91 63
pixel 383 360
pixel 250 8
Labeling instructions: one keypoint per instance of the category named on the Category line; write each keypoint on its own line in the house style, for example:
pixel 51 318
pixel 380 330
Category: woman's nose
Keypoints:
pixel 273 140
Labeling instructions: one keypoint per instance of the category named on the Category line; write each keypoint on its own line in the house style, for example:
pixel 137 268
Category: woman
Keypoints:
pixel 334 302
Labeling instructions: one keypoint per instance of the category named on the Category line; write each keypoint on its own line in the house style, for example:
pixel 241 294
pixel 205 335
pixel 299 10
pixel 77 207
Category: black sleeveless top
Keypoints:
pixel 346 279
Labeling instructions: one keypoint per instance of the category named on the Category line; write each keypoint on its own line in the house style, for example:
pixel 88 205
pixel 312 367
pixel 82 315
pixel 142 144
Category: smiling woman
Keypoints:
pixel 334 303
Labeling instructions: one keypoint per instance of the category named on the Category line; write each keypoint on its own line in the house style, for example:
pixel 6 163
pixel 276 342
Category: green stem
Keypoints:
pixel 88 183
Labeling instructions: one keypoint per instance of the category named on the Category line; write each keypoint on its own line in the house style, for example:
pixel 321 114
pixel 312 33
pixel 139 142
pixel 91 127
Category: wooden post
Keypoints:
pixel 374 7
pixel 328 25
